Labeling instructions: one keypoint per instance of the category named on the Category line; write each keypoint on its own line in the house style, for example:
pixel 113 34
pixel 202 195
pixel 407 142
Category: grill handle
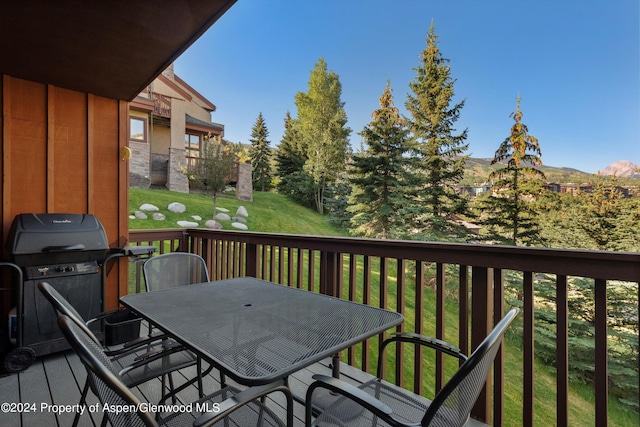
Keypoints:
pixel 78 247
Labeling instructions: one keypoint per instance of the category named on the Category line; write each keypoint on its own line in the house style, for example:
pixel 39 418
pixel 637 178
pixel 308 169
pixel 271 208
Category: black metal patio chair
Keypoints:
pixel 174 269
pixel 227 406
pixel 150 358
pixel 377 403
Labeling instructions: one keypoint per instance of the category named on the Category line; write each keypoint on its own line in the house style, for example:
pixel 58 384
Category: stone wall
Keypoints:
pixel 139 175
pixel 244 186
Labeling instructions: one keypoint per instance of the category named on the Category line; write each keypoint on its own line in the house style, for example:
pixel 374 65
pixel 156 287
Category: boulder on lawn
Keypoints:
pixel 158 216
pixel 239 226
pixel 222 217
pixel 148 207
pixel 242 211
pixel 140 215
pixel 177 207
pixel 187 224
pixel 213 224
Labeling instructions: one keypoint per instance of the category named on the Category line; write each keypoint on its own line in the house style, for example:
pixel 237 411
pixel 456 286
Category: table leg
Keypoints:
pixel 323 398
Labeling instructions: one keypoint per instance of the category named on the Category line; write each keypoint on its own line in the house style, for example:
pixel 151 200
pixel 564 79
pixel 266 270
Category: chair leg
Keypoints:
pixel 83 398
pixel 171 388
pixel 199 368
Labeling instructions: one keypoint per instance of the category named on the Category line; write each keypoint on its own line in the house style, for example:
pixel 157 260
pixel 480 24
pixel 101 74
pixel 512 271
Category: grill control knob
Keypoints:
pixel 43 270
pixel 60 269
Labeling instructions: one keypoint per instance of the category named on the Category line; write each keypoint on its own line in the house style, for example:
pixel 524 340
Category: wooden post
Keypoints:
pixel 252 260
pixel 481 325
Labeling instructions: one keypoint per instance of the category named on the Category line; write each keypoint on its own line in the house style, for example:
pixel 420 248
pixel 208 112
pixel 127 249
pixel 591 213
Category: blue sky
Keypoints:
pixel 575 63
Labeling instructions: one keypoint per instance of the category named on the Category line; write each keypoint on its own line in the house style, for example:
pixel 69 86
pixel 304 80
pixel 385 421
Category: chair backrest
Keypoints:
pixel 452 405
pixel 174 269
pixel 62 306
pixel 103 378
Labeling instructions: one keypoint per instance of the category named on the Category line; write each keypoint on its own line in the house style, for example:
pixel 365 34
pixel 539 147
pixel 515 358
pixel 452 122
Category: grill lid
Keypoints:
pixel 54 234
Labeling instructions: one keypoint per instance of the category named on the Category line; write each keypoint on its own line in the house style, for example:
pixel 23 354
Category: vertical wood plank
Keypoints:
pixel 481 310
pixel 353 283
pixel 419 328
pixel 252 260
pixel 562 351
pixel 498 366
pixel 463 314
pixel 384 303
pixel 528 347
pixel 366 299
pixel 440 310
pixel 6 156
pixel 51 144
pixel 91 125
pixel 601 380
pixel 400 308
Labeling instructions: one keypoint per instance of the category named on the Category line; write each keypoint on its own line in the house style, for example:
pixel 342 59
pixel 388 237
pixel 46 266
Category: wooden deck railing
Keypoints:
pixel 393 275
pixel 161 105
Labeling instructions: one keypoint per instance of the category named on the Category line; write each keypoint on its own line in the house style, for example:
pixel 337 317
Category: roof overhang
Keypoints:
pixel 112 48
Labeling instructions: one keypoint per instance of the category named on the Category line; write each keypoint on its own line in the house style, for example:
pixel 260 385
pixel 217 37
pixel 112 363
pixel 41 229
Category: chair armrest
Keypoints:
pixel 229 405
pixel 430 342
pixel 350 392
pixel 135 345
pixel 149 357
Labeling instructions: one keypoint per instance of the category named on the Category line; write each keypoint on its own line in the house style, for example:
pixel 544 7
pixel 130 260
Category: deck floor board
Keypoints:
pixel 59 379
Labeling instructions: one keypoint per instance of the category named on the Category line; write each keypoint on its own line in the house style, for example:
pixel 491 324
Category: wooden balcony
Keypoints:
pixel 398 275
pixel 161 105
pixel 453 291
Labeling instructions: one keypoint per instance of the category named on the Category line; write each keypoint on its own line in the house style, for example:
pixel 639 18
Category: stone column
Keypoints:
pixel 244 186
pixel 176 179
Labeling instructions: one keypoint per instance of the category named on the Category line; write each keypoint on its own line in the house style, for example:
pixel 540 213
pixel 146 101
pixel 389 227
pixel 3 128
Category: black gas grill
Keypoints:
pixel 65 250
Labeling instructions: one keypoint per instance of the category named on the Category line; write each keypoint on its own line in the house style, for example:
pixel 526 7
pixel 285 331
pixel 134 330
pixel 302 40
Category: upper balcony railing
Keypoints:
pixel 161 103
pixel 420 280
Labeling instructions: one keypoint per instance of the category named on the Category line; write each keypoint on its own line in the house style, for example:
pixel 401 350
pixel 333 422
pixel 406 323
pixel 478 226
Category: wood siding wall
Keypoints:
pixel 61 154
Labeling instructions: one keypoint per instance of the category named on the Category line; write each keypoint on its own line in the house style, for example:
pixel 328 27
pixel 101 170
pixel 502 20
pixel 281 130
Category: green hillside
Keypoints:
pixel 271 212
pixel 268 212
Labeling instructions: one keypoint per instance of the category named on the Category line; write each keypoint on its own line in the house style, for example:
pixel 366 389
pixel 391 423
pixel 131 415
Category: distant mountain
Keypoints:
pixel 478 169
pixel 623 168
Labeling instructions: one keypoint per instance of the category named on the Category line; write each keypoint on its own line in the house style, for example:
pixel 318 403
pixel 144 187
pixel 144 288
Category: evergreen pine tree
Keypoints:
pixel 379 176
pixel 441 151
pixel 323 132
pixel 260 154
pixel 293 181
pixel 509 211
pixel 601 215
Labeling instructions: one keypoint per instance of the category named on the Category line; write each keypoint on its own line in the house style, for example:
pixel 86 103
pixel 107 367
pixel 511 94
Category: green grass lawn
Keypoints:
pixel 274 213
pixel 268 212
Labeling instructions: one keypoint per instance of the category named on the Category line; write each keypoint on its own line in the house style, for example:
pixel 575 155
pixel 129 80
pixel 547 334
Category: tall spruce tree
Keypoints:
pixel 260 154
pixel 293 181
pixel 440 149
pixel 510 210
pixel 380 175
pixel 601 214
pixel 322 125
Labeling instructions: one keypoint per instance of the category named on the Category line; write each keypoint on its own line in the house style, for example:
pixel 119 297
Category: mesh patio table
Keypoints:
pixel 257 331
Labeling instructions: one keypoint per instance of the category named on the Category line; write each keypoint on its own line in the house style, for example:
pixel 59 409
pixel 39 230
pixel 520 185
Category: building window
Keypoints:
pixel 192 147
pixel 137 129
